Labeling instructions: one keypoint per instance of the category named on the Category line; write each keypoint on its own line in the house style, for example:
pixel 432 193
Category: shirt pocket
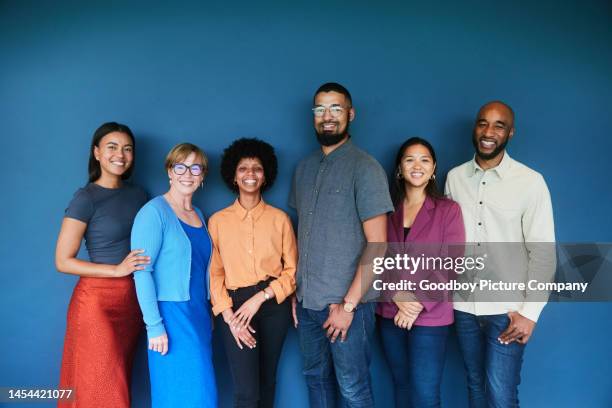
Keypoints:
pixel 505 211
pixel 501 205
pixel 335 203
pixel 337 197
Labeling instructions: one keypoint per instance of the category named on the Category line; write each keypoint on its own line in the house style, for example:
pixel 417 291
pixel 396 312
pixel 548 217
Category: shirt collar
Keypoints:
pixel 501 169
pixel 255 211
pixel 338 152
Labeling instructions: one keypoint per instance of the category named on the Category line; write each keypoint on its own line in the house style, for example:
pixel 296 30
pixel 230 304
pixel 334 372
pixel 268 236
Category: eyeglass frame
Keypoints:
pixel 201 166
pixel 329 108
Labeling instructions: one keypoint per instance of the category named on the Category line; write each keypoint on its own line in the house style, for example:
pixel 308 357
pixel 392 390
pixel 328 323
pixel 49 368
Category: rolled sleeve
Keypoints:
pixel 284 285
pixel 219 297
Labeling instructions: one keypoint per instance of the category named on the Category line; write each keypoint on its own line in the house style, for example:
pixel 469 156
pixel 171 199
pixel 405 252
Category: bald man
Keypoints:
pixel 506 203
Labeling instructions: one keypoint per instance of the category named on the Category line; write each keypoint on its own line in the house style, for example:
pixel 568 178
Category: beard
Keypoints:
pixel 488 156
pixel 331 138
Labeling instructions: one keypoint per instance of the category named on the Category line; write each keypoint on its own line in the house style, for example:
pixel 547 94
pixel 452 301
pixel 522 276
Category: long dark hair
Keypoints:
pixel 398 189
pixel 94 165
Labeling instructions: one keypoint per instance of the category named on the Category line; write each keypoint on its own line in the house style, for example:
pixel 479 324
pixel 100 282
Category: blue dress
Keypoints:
pixel 185 376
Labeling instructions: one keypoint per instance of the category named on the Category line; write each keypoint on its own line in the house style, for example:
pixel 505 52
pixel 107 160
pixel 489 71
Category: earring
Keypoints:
pixel 169 181
pixel 398 175
pixel 202 185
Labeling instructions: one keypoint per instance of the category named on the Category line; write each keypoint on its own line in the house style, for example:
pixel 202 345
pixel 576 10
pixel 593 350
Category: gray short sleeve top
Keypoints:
pixel 109 215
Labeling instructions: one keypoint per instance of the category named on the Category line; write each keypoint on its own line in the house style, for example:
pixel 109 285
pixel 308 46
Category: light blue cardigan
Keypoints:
pixel 158 231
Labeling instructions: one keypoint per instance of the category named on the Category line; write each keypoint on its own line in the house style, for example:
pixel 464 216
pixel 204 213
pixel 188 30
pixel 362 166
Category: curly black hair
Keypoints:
pixel 248 148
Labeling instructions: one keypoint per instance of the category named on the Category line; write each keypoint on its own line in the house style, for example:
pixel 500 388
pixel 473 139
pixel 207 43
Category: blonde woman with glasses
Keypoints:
pixel 173 289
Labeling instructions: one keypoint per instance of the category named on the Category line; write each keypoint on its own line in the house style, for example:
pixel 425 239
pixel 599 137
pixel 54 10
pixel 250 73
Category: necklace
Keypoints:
pixel 178 207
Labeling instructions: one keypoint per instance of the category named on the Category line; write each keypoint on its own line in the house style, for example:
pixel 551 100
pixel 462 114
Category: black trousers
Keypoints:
pixel 254 370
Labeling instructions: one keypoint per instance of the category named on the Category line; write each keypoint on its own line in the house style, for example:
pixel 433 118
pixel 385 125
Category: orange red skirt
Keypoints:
pixel 103 325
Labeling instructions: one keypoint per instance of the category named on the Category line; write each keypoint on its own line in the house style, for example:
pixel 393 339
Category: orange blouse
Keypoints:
pixel 250 247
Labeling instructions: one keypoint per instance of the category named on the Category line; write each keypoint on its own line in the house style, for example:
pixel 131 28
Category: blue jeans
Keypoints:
pixel 493 369
pixel 344 365
pixel 416 359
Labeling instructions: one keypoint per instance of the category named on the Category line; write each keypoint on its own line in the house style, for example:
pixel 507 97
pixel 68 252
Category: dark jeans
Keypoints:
pixel 345 365
pixel 254 370
pixel 416 359
pixel 493 369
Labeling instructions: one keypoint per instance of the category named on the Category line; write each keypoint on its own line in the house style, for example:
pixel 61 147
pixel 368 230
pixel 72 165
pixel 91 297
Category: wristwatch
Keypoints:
pixel 348 307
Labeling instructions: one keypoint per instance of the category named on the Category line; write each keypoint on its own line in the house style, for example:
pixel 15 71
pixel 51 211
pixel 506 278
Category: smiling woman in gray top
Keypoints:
pixel 103 317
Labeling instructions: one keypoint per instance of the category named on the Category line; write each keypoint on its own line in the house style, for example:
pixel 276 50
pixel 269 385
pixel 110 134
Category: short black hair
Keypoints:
pixel 249 148
pixel 93 166
pixel 334 87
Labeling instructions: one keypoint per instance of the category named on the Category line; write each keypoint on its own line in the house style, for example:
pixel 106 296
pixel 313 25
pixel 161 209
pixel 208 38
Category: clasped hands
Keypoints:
pixel 408 311
pixel 239 322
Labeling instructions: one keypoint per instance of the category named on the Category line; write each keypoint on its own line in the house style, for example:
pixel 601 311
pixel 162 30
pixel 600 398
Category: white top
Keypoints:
pixel 506 204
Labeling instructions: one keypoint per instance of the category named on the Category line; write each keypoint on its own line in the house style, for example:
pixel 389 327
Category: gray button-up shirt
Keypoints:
pixel 333 195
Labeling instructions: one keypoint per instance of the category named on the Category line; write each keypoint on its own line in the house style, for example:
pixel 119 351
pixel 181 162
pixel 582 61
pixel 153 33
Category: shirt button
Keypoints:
pixel 484 182
pixel 480 203
pixel 309 212
pixel 480 223
pixel 316 190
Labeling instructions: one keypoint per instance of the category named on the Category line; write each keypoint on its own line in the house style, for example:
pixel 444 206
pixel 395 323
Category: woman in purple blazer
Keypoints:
pixel 414 326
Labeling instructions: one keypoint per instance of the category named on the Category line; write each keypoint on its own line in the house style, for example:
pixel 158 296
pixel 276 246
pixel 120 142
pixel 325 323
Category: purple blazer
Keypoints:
pixel 438 221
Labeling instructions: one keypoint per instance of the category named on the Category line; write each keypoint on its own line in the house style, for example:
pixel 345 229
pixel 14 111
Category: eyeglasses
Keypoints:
pixel 334 110
pixel 181 168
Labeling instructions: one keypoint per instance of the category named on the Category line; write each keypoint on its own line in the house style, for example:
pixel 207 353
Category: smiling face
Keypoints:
pixel 331 130
pixel 249 176
pixel 493 128
pixel 187 183
pixel 417 166
pixel 115 153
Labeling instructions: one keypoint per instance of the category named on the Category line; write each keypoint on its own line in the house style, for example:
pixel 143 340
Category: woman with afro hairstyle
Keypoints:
pixel 252 272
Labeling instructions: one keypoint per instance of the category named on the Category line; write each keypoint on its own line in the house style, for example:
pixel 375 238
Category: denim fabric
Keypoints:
pixel 416 359
pixel 493 369
pixel 344 365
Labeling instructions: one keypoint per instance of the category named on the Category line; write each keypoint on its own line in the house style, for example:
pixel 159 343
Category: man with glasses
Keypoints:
pixel 341 197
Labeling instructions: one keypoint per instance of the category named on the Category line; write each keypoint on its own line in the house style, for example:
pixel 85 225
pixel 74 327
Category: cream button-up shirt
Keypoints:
pixel 508 215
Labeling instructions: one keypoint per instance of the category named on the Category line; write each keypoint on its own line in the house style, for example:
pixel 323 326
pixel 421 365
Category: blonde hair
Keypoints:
pixel 180 153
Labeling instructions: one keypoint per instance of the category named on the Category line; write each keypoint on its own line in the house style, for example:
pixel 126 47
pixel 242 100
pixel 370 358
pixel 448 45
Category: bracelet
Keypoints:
pixel 266 296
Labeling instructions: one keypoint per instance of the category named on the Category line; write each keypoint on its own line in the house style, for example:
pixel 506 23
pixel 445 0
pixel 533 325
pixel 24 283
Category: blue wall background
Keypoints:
pixel 209 73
